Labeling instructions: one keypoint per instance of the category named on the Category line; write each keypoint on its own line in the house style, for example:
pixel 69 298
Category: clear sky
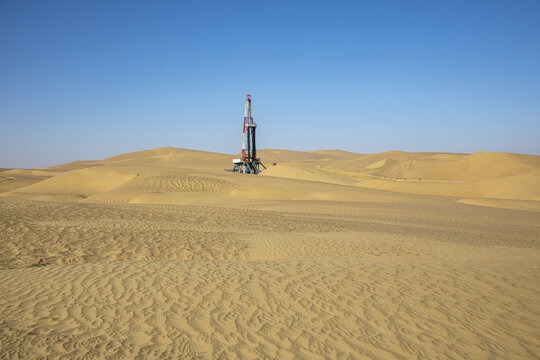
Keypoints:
pixel 90 79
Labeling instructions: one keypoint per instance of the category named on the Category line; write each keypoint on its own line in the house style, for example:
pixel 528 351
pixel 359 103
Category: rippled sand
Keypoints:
pixel 140 257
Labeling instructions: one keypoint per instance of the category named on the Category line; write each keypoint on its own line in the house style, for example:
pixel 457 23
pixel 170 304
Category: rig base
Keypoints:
pixel 247 167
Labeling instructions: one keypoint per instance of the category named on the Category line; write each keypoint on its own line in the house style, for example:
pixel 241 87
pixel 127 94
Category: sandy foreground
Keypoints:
pixel 327 254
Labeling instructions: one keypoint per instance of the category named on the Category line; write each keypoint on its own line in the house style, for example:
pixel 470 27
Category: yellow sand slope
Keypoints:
pixel 148 176
pixel 478 175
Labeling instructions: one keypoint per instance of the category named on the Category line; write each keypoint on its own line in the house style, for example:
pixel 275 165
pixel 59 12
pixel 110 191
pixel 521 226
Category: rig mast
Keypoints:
pixel 249 163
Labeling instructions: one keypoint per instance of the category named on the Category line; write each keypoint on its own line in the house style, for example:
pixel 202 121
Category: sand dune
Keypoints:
pixel 162 254
pixel 152 173
pixel 81 183
pixel 172 157
pixel 285 156
pixel 477 166
pixel 146 175
pixel 12 179
pixel 478 175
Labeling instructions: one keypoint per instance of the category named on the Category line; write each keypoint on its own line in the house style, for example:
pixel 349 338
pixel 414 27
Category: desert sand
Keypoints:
pixel 325 255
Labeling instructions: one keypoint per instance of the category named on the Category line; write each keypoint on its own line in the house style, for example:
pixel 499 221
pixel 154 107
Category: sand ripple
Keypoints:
pixel 260 309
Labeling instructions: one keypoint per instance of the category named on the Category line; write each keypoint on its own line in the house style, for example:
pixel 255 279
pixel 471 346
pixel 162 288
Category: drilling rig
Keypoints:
pixel 249 163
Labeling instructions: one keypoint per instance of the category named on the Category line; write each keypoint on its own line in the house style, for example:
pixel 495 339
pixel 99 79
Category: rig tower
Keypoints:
pixel 249 163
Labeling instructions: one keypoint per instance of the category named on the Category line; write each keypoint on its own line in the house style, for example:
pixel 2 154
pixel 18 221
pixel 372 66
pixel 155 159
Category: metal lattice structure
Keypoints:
pixel 249 163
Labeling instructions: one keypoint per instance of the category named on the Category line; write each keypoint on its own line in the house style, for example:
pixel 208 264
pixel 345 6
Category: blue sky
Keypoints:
pixel 90 79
